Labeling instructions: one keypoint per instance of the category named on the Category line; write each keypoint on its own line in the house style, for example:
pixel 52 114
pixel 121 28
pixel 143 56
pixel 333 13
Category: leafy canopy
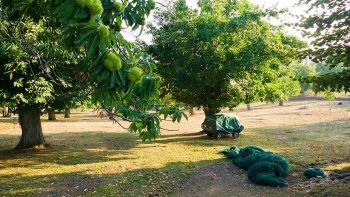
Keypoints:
pixel 206 56
pixel 283 87
pixel 35 68
pixel 90 48
pixel 328 24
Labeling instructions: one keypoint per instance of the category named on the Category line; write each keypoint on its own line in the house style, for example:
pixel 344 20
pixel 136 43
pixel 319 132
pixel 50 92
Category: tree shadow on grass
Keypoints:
pixel 72 149
pixel 176 179
pixel 218 177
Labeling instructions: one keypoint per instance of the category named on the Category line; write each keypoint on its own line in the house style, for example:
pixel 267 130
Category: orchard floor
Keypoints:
pixel 90 156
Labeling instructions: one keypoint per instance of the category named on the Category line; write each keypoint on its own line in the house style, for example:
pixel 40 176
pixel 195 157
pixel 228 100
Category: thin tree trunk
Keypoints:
pixel 191 111
pixel 329 104
pixel 281 103
pixel 6 112
pixel 51 115
pixel 249 108
pixel 32 133
pixel 67 113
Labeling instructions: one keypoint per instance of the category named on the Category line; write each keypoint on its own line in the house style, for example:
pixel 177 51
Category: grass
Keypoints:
pixel 90 156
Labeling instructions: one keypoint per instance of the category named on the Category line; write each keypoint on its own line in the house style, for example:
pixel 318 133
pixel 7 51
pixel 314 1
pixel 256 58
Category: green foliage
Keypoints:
pixel 326 73
pixel 204 57
pixel 328 24
pixel 303 71
pixel 128 83
pixel 283 87
pixel 324 69
pixel 329 94
pixel 149 126
pixel 118 7
pixel 34 65
pixel 70 44
pixel 252 89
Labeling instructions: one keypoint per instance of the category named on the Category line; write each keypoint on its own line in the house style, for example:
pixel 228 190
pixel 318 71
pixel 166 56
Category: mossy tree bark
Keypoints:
pixel 32 133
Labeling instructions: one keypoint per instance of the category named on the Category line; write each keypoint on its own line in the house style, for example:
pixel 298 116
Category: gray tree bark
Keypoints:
pixel 249 108
pixel 51 115
pixel 280 103
pixel 67 113
pixel 32 133
pixel 6 112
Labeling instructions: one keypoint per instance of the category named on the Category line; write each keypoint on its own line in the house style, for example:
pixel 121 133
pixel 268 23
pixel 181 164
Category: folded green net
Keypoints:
pixel 314 172
pixel 264 168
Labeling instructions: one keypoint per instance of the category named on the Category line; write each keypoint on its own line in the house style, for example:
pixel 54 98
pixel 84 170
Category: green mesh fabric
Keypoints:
pixel 267 173
pixel 223 123
pixel 265 168
pixel 314 172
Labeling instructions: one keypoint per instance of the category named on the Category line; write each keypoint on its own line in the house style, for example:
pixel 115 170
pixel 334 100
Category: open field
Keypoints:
pixel 91 156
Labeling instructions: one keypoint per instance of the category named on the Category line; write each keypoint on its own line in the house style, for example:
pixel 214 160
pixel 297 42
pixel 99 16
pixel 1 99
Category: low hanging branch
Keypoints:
pixel 112 115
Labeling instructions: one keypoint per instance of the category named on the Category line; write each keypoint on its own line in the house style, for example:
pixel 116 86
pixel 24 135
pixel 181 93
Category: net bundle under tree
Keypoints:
pixel 264 168
pixel 314 171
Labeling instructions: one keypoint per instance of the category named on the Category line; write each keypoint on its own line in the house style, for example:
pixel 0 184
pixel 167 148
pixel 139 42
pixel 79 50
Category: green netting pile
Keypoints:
pixel 314 172
pixel 263 167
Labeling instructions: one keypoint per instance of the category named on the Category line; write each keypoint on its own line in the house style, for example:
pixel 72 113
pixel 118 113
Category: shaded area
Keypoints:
pixel 72 149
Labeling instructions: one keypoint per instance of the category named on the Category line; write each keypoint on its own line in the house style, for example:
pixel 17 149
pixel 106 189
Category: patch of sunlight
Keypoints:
pixel 280 150
pixel 29 172
pixel 101 149
pixel 251 133
pixel 341 166
pixel 20 192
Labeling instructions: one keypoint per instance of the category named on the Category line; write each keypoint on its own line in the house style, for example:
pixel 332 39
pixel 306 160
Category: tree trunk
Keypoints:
pixel 281 103
pixel 6 112
pixel 67 113
pixel 32 133
pixel 191 111
pixel 249 108
pixel 210 111
pixel 51 114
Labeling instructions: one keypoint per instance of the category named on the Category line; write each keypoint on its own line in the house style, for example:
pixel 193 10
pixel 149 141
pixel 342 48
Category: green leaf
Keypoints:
pixel 93 46
pixel 85 36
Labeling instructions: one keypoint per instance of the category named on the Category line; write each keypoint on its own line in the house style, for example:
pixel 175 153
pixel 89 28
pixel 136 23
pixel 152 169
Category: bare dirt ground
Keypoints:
pixel 228 180
pixel 90 156
pixel 262 115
